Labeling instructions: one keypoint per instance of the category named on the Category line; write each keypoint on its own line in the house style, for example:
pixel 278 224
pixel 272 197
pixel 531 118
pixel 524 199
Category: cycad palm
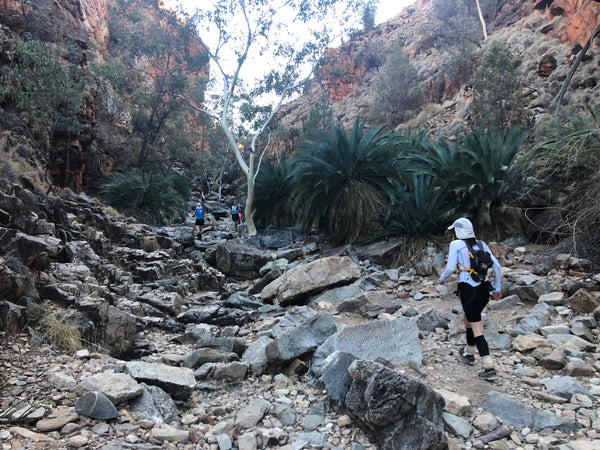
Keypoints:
pixel 273 195
pixel 493 171
pixel 344 181
pixel 421 207
pixel 150 196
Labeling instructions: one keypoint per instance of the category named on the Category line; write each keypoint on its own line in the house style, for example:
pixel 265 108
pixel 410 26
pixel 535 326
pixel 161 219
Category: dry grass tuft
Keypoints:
pixel 59 334
pixel 17 163
pixel 427 113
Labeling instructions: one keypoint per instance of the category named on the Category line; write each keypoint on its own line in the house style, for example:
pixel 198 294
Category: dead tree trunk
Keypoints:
pixel 567 82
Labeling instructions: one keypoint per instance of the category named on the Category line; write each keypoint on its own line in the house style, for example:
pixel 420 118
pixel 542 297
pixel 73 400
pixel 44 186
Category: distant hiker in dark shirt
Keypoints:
pixel 199 214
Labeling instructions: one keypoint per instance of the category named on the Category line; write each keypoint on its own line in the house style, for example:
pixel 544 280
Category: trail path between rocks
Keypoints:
pixel 214 405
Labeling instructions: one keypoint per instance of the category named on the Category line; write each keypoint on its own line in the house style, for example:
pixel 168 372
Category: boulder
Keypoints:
pixel 233 371
pixel 432 319
pixel 58 418
pixel 337 295
pixel 537 318
pixel 119 332
pixel 335 377
pixel 16 281
pixel 249 415
pixel 409 419
pixel 240 260
pixel 566 387
pixel 82 253
pixel 97 406
pixel 27 246
pixel 396 341
pixel 167 302
pixel 546 65
pixel 272 237
pixel 12 317
pixel 300 340
pixel 208 355
pixel 118 387
pixel 154 405
pixel 298 283
pixel 179 382
pixel 511 412
pixel 219 210
pixel 529 289
pixel 255 355
pixel 582 302
pixel 215 315
pixel 368 304
pixel 382 253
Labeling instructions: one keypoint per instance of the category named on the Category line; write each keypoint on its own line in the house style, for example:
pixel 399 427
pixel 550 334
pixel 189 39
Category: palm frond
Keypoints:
pixel 344 182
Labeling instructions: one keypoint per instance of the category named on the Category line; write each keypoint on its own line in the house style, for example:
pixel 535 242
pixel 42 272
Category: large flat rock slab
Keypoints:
pixel 298 283
pixel 178 382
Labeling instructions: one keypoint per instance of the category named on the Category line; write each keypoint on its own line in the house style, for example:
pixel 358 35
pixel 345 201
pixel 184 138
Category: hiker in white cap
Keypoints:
pixel 474 288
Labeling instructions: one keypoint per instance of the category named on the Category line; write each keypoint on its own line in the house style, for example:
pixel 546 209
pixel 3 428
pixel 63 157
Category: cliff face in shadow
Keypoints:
pixel 110 73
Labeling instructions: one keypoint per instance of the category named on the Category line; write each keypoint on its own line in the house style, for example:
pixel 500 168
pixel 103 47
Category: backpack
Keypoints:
pixel 480 262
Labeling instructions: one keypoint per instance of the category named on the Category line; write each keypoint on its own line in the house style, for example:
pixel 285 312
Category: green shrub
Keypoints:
pixel 497 100
pixel 479 178
pixel 398 92
pixel 564 182
pixel 420 207
pixel 494 176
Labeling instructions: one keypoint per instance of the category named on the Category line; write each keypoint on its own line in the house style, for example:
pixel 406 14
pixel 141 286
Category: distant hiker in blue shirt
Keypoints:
pixel 236 215
pixel 199 213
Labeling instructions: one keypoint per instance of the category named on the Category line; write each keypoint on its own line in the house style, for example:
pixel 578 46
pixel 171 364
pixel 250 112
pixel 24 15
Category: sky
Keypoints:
pixel 390 8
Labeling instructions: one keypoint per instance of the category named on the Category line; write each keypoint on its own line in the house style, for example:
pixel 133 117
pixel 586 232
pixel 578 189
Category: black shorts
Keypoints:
pixel 235 217
pixel 474 299
pixel 200 222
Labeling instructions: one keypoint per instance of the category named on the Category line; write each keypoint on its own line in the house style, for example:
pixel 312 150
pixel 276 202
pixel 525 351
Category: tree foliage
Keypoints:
pixel 564 184
pixel 421 206
pixel 320 117
pixel 369 11
pixel 398 92
pixel 50 90
pixel 291 35
pixel 162 58
pixel 459 34
pixel 497 99
pixel 479 178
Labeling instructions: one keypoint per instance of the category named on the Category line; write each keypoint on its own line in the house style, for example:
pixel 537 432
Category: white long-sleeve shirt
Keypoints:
pixel 459 253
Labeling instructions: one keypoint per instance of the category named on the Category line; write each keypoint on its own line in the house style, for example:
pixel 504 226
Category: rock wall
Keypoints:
pixel 534 30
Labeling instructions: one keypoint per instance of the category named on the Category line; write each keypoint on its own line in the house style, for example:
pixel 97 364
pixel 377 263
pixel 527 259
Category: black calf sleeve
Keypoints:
pixel 482 346
pixel 470 337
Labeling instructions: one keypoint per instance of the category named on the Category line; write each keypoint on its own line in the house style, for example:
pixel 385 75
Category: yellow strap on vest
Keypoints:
pixel 466 269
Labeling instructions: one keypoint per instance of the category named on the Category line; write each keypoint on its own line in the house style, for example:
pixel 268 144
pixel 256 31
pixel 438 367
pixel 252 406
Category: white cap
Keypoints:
pixel 463 228
pixel 463 222
pixel 198 205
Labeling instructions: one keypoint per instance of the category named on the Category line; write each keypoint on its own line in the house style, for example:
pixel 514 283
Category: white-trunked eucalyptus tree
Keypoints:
pixel 262 53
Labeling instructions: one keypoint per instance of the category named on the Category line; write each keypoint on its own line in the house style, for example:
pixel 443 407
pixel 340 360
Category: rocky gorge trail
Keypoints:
pixel 278 340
